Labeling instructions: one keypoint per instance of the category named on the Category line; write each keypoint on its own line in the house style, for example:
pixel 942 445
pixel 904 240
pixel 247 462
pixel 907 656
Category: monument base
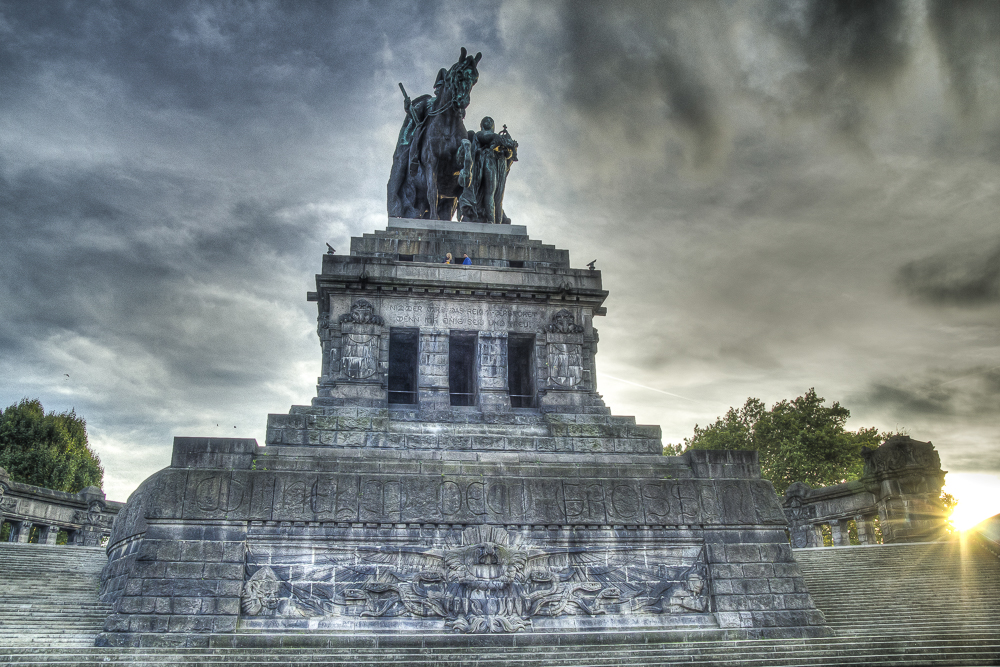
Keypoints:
pixel 267 545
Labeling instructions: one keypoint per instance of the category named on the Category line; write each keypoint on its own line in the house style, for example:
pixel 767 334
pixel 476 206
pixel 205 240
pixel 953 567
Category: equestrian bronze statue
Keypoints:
pixel 439 168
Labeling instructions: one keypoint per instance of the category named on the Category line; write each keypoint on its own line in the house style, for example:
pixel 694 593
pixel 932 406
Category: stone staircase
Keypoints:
pixel 908 589
pixel 919 604
pixel 48 595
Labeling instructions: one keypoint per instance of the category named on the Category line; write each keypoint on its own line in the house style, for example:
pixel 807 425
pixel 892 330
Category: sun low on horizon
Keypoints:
pixel 978 496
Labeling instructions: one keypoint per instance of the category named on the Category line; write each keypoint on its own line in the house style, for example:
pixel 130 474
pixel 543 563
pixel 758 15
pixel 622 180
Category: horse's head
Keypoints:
pixel 460 79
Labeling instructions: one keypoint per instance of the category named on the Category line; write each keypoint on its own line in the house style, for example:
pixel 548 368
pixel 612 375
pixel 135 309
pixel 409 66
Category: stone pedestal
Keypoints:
pixel 527 509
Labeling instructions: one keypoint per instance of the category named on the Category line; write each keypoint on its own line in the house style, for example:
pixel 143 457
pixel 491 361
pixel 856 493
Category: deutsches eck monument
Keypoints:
pixel 457 472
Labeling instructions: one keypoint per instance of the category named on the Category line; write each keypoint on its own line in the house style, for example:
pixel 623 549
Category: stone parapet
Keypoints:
pixel 36 514
pixel 898 497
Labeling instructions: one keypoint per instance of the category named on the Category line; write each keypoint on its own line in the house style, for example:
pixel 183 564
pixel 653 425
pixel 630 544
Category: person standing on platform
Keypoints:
pixel 466 261
pixel 447 258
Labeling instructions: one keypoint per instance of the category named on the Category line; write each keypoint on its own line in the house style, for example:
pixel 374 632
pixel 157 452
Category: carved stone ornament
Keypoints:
pixel 565 364
pixel 564 322
pixel 362 312
pixel 359 355
pixel 489 582
pixel 260 592
pixel 323 325
pixel 94 513
pixel 900 452
pixel 7 503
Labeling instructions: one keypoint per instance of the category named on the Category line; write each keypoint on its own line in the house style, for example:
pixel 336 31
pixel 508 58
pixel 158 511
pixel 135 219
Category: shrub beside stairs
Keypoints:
pixel 915 604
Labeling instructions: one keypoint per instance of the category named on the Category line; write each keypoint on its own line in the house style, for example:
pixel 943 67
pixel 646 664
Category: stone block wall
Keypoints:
pixel 304 543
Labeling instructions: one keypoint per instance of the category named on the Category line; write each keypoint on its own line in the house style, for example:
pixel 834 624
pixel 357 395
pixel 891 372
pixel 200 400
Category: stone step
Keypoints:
pixel 914 605
pixel 892 651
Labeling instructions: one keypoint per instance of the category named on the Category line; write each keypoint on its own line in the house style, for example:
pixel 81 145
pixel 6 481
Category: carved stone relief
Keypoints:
pixel 565 364
pixel 323 325
pixel 359 355
pixel 260 592
pixel 564 322
pixel 362 312
pixel 489 581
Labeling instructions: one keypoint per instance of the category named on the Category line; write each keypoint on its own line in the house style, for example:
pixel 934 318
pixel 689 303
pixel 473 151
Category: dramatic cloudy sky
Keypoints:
pixel 780 195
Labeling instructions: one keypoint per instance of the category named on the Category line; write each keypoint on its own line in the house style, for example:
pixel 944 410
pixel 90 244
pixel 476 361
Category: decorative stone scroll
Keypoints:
pixel 490 581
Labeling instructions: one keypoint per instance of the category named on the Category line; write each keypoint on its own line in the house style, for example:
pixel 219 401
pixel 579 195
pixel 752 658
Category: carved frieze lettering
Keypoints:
pixel 373 498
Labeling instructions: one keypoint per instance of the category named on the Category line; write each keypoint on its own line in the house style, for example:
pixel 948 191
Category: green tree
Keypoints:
pixel 49 450
pixel 800 440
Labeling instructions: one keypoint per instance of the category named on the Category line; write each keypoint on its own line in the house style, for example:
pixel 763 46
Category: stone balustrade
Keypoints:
pixel 898 496
pixel 35 514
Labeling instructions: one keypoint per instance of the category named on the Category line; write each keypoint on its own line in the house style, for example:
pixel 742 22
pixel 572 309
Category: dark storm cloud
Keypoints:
pixel 850 49
pixel 967 393
pixel 908 401
pixel 857 39
pixel 966 33
pixel 623 59
pixel 90 257
pixel 954 279
pixel 228 58
pixel 628 62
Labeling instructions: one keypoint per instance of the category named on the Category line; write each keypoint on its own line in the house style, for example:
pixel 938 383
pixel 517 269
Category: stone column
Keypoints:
pixel 815 538
pixel 432 376
pixel 491 360
pixel 866 531
pixel 838 538
pixel 24 532
pixel 49 535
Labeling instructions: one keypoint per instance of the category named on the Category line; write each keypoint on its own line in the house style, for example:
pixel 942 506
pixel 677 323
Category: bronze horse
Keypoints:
pixel 433 157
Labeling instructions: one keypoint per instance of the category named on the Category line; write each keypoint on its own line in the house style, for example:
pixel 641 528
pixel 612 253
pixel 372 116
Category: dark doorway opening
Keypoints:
pixel 520 371
pixel 516 263
pixel 404 258
pixel 404 358
pixel 462 367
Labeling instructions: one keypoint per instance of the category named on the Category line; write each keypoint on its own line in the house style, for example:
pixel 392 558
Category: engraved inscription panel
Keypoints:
pixel 440 313
pixel 383 498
